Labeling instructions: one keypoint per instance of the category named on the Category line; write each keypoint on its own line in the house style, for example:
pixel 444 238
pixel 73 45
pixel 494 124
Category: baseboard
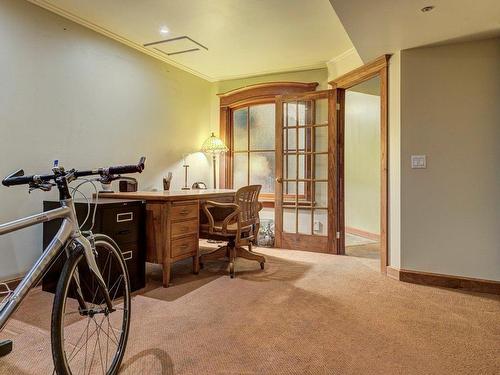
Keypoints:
pixel 363 233
pixel 446 281
pixel 393 273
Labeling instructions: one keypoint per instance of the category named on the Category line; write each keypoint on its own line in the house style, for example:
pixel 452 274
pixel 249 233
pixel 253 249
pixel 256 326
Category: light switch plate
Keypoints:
pixel 418 161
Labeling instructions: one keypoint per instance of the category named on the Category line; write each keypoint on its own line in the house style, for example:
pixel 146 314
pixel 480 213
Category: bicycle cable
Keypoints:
pixel 76 190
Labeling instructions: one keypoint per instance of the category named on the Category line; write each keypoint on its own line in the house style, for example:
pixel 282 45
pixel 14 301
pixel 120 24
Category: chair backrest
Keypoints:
pixel 247 198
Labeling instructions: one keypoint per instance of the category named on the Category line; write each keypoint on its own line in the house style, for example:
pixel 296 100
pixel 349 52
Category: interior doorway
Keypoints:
pixel 344 85
pixel 362 169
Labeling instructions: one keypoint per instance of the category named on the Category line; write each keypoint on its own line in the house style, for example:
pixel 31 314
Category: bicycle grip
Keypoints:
pixel 138 168
pixel 17 178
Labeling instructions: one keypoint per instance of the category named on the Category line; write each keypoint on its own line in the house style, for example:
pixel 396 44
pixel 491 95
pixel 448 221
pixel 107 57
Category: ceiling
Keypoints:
pixel 243 37
pixel 385 26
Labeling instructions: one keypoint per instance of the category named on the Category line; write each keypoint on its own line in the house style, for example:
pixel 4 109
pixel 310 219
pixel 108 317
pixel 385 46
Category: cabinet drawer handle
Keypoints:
pixel 184 246
pixel 127 255
pixel 125 231
pixel 184 211
pixel 125 216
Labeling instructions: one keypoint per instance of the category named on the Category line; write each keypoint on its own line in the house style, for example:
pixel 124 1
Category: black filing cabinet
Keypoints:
pixel 122 220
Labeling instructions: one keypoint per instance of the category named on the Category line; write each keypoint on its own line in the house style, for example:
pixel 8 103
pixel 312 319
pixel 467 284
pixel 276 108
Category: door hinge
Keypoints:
pixel 338 106
pixel 338 235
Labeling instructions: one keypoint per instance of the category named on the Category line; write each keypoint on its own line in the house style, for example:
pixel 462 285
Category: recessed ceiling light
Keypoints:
pixel 427 8
pixel 164 30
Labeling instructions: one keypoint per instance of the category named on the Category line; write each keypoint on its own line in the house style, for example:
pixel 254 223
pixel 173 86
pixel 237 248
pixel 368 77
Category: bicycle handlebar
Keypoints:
pixel 18 177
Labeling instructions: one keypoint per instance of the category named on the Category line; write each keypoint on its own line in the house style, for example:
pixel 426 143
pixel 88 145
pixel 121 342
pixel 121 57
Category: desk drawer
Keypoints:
pixel 121 224
pixel 184 210
pixel 224 199
pixel 180 228
pixel 184 246
pixel 134 259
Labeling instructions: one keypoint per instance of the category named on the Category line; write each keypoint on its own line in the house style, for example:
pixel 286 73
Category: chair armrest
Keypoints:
pixel 209 204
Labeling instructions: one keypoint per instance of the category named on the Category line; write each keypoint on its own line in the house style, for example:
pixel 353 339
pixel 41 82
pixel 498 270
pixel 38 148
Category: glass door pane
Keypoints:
pixel 305 166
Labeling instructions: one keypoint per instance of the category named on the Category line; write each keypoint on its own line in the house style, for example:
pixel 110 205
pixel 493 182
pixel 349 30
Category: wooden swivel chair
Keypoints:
pixel 239 226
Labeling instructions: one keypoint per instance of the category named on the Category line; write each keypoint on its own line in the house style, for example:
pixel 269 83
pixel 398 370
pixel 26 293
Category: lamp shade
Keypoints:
pixel 213 145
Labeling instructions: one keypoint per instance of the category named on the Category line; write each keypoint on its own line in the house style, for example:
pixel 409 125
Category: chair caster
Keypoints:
pixel 262 265
pixel 5 347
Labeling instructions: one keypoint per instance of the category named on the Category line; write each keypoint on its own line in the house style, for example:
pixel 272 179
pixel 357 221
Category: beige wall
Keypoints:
pixel 362 161
pixel 71 94
pixel 450 111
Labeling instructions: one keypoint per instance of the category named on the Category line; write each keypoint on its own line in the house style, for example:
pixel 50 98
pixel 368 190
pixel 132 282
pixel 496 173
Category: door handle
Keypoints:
pixel 279 180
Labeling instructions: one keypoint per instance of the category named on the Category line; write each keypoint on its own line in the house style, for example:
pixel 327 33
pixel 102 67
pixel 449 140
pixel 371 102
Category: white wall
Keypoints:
pixel 362 161
pixel 450 111
pixel 71 94
pixel 394 154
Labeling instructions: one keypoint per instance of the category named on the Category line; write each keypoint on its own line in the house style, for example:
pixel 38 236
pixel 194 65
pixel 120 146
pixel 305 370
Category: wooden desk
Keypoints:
pixel 172 223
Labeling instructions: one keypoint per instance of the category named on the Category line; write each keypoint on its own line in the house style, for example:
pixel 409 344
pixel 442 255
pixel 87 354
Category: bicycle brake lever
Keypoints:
pixel 107 179
pixel 43 186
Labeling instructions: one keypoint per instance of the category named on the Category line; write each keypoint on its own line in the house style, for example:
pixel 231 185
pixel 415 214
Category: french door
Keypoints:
pixel 308 211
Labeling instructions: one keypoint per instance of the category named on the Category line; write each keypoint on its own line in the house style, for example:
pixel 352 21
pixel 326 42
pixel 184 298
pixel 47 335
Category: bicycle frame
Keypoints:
pixel 69 234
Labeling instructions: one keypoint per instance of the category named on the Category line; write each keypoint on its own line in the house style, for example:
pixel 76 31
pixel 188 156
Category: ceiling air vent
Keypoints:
pixel 176 46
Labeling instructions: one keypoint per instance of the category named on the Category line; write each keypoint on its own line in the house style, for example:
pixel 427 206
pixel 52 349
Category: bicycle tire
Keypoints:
pixel 76 258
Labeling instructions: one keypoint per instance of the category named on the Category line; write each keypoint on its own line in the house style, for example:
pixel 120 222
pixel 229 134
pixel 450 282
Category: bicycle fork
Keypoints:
pixel 89 253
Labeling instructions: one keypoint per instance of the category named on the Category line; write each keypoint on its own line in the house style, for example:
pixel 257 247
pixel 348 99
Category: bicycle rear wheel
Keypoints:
pixel 91 341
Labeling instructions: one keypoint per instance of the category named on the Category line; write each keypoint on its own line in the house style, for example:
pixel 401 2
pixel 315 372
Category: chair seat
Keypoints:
pixel 231 228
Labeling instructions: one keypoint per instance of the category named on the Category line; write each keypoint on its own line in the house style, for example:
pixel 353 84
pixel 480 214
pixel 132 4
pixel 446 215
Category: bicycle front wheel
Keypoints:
pixel 91 341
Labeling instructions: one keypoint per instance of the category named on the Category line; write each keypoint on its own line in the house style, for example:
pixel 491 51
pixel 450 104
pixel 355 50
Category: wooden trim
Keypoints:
pixel 334 178
pixel 446 281
pixel 225 161
pixel 245 96
pixel 305 242
pixel 340 199
pixel 363 233
pixel 393 273
pixel 384 168
pixel 378 67
pixel 361 74
pixel 263 91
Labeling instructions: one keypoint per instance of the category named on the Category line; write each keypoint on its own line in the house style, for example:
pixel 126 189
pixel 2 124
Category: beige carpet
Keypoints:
pixel 306 313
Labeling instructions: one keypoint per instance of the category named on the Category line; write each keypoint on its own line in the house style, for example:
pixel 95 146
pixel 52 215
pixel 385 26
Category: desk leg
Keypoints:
pixel 196 264
pixel 166 274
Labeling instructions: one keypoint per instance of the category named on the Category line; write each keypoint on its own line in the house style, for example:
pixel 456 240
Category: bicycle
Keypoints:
pixel 93 291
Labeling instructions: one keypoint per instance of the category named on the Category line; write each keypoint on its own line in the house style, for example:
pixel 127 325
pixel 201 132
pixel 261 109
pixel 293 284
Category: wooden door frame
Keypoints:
pixel 378 67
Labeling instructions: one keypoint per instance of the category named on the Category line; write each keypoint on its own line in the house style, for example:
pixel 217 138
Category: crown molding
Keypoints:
pixel 343 55
pixel 275 71
pixel 101 30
